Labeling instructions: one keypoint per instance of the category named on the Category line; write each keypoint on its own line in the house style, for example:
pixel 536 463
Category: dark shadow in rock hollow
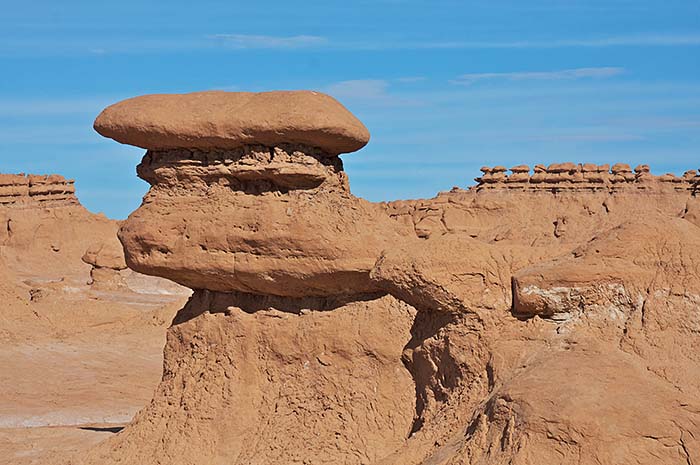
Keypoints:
pixel 103 429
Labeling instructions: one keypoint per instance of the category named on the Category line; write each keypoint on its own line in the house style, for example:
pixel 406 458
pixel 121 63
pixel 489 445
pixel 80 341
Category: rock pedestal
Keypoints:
pixel 244 185
pixel 544 318
pixel 287 352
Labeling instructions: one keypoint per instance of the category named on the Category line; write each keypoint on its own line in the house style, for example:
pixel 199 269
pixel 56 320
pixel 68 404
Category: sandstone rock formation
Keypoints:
pixel 66 347
pixel 581 177
pixel 107 260
pixel 550 318
pixel 45 230
pixel 291 196
pixel 49 240
pixel 22 190
pixel 230 120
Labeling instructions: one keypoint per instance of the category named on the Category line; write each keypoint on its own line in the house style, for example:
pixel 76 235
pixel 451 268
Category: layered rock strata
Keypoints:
pixel 245 184
pixel 484 326
pixel 233 220
pixel 20 190
pixel 588 176
pixel 44 228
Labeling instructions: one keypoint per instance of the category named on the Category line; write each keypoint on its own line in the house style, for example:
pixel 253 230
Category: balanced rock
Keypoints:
pixel 107 260
pixel 520 169
pixel 107 254
pixel 229 120
pixel 272 192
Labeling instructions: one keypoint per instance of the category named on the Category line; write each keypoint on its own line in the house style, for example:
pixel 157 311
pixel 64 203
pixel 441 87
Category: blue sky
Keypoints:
pixel 443 86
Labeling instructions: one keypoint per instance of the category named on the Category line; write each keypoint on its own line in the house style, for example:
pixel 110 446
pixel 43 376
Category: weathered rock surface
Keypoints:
pixel 67 348
pixel 229 120
pixel 550 318
pixel 292 205
pixel 584 177
pixel 105 254
pixel 267 384
pixel 21 190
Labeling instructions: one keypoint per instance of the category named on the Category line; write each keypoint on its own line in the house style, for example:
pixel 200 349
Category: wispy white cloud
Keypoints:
pixel 359 89
pixel 636 40
pixel 14 46
pixel 49 107
pixel 558 75
pixel 586 137
pixel 245 41
pixel 411 79
pixel 659 40
pixel 658 123
pixel 373 92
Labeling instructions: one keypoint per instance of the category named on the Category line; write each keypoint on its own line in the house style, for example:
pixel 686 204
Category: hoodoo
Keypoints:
pixel 245 184
pixel 250 207
pixel 545 318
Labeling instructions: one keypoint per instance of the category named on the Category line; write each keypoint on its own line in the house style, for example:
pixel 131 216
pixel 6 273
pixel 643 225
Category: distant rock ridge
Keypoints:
pixel 28 190
pixel 586 176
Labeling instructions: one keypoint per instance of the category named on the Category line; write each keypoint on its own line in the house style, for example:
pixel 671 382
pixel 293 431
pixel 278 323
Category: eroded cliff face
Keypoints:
pixel 548 324
pixel 44 229
pixel 234 220
pixel 22 190
pixel 590 331
pixel 74 322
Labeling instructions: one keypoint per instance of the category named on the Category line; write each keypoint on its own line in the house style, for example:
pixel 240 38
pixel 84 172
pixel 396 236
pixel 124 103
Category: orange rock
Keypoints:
pixel 518 177
pixel 561 167
pixel 621 168
pixel 538 177
pixel 520 169
pixel 480 326
pixel 226 120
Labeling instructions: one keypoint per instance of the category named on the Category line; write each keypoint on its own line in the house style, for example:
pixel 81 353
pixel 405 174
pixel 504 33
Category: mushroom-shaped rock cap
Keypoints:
pixel 226 120
pixel 520 169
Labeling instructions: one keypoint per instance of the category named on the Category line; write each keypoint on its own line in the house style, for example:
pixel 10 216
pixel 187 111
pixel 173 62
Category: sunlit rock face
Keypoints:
pixel 544 318
pixel 245 185
pixel 234 220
